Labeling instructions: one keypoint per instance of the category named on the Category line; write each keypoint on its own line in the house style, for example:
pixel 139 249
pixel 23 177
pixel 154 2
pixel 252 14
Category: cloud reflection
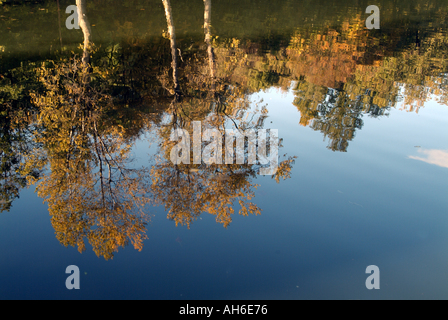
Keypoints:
pixel 433 156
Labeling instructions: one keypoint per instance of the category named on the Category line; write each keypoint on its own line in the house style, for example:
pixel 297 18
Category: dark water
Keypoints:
pixel 87 179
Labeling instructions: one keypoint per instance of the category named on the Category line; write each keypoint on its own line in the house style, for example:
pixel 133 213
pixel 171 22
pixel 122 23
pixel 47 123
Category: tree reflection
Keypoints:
pixel 92 192
pixel 333 113
pixel 172 34
pixel 86 30
pixel 208 36
pixel 188 190
pixel 363 81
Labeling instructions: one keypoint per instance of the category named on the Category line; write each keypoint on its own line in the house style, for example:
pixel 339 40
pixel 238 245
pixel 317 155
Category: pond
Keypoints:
pixel 228 150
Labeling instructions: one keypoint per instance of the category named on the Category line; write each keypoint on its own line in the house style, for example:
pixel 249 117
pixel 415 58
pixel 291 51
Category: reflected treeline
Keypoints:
pixel 69 121
pixel 365 75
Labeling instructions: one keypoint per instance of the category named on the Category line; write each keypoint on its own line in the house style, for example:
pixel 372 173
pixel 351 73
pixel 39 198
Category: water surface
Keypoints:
pixel 87 179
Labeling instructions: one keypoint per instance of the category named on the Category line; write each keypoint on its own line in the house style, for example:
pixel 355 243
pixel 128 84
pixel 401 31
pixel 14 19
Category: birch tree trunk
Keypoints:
pixel 208 36
pixel 86 30
pixel 171 31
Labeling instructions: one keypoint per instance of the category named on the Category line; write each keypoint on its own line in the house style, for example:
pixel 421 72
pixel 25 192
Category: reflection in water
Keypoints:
pixel 172 33
pixel 14 147
pixel 208 36
pixel 86 29
pixel 92 191
pixel 79 117
pixel 437 157
pixel 333 113
pixel 186 191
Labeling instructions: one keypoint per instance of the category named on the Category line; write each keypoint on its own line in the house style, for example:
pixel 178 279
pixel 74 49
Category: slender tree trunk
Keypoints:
pixel 208 36
pixel 169 20
pixel 86 30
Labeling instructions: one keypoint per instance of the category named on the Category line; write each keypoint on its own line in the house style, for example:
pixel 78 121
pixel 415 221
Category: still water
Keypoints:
pixel 87 176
